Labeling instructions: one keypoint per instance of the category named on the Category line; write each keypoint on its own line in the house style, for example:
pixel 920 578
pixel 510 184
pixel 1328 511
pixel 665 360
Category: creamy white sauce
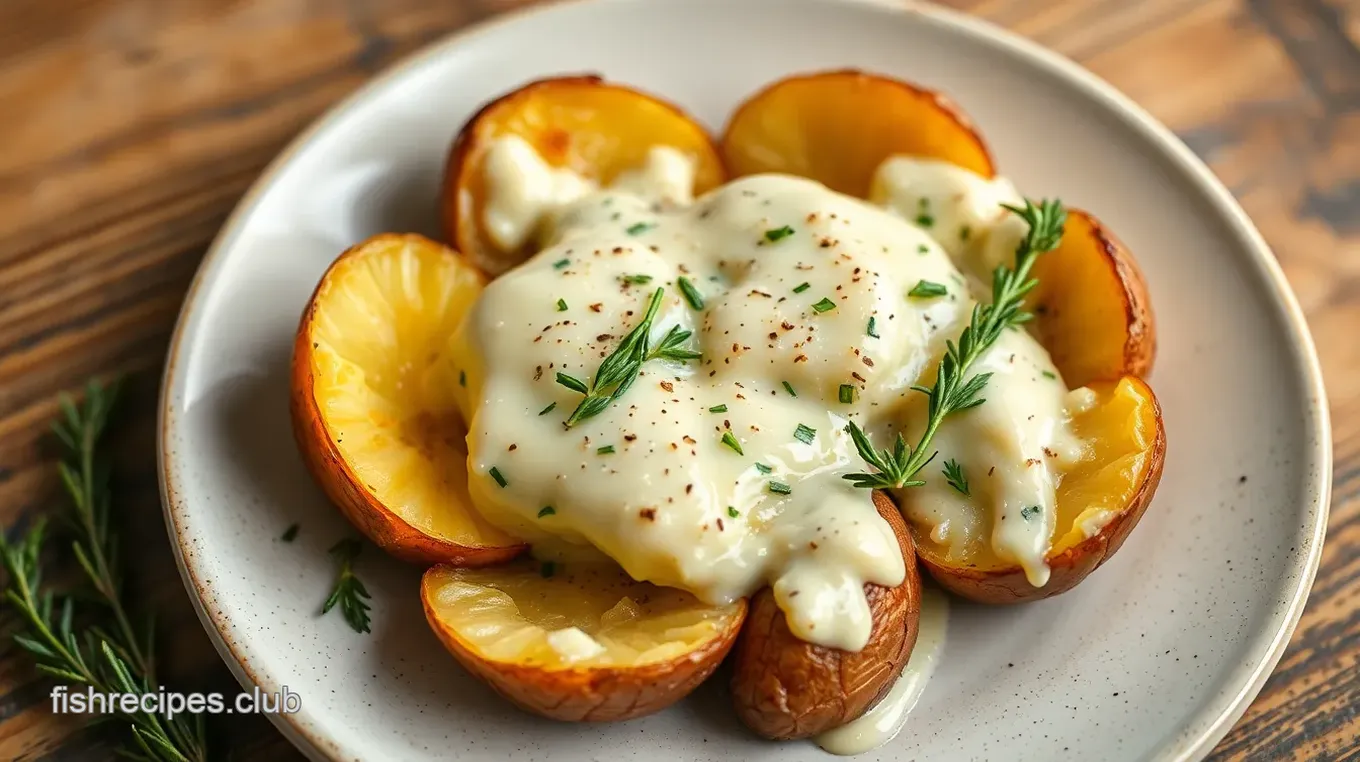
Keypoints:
pixel 886 719
pixel 668 499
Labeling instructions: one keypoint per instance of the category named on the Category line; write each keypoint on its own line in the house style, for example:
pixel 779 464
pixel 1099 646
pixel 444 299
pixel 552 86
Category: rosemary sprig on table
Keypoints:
pixel 107 654
pixel 951 392
pixel 349 592
pixel 620 369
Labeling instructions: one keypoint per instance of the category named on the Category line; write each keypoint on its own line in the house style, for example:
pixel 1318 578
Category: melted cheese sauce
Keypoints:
pixel 886 719
pixel 790 275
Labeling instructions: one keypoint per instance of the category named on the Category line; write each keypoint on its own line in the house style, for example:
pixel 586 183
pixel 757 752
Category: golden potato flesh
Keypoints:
pixel 578 642
pixel 592 127
pixel 784 688
pixel 836 128
pixel 1109 488
pixel 1092 310
pixel 372 400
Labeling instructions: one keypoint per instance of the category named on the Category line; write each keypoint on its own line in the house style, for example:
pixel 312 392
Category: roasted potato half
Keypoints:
pixel 786 688
pixel 1092 309
pixel 372 405
pixel 578 642
pixel 836 127
pixel 1098 503
pixel 585 124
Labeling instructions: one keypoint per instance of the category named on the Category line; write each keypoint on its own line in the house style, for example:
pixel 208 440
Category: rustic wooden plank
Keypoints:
pixel 140 122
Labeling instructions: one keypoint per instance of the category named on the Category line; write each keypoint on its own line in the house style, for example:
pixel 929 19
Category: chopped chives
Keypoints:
pixel 496 474
pixel 546 510
pixel 548 409
pixel 789 388
pixel 778 233
pixel 925 220
pixel 1050 374
pixel 640 228
pixel 801 287
pixel 561 305
pixel 692 295
pixel 733 512
pixel 606 450
pixel 804 434
pixel 561 263
pixel 731 441
pixel 762 468
pixel 824 305
pixel 873 328
pixel 847 393
pixel 718 409
pixel 780 488
pixel 638 279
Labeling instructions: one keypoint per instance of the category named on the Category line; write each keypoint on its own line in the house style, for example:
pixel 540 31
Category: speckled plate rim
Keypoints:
pixel 1206 729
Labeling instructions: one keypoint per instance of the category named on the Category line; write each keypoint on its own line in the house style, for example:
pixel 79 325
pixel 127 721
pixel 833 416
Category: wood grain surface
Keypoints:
pixel 131 127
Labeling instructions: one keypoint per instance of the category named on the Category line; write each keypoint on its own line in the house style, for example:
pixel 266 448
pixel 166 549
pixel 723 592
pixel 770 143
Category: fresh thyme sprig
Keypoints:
pixel 349 592
pixel 113 659
pixel 620 369
pixel 951 392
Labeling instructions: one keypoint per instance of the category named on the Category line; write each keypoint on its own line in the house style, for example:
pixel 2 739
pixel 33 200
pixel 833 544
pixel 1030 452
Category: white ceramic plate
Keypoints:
pixel 1153 657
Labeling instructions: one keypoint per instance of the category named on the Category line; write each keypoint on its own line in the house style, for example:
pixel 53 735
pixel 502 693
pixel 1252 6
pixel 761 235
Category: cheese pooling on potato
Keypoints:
pixel 722 474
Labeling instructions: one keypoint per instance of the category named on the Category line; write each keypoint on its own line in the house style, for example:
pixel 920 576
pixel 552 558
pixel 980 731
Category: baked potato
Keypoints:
pixel 837 127
pixel 578 642
pixel 785 688
pixel 1098 503
pixel 595 128
pixel 372 403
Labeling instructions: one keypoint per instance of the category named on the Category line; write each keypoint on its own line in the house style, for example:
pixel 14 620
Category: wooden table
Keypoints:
pixel 129 128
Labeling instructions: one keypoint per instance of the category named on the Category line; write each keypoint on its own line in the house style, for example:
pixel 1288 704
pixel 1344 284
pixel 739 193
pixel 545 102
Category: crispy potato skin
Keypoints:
pixel 463 189
pixel 836 127
pixel 1009 585
pixel 1094 315
pixel 786 688
pixel 590 694
pixel 386 529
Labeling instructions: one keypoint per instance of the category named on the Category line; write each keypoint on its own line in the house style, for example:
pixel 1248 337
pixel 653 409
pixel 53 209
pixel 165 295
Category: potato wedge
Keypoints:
pixel 1107 492
pixel 578 642
pixel 583 123
pixel 836 127
pixel 372 400
pixel 785 688
pixel 1092 309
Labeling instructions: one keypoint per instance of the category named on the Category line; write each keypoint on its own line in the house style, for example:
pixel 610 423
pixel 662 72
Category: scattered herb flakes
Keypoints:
pixel 922 249
pixel 718 409
pixel 636 279
pixel 778 233
pixel 825 305
pixel 496 474
pixel 801 287
pixel 1030 512
pixel 927 290
pixel 561 263
pixel 639 228
pixel 762 468
pixel 606 450
pixel 846 394
pixel 925 220
pixel 733 512
pixel 462 378
pixel 731 441
pixel 561 305
pixel 290 533
pixel 548 409
pixel 780 488
pixel 872 330
pixel 953 473
pixel 547 511
pixel 965 232
pixel 805 434
pixel 789 388
pixel 1050 374
pixel 692 295
pixel 547 569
